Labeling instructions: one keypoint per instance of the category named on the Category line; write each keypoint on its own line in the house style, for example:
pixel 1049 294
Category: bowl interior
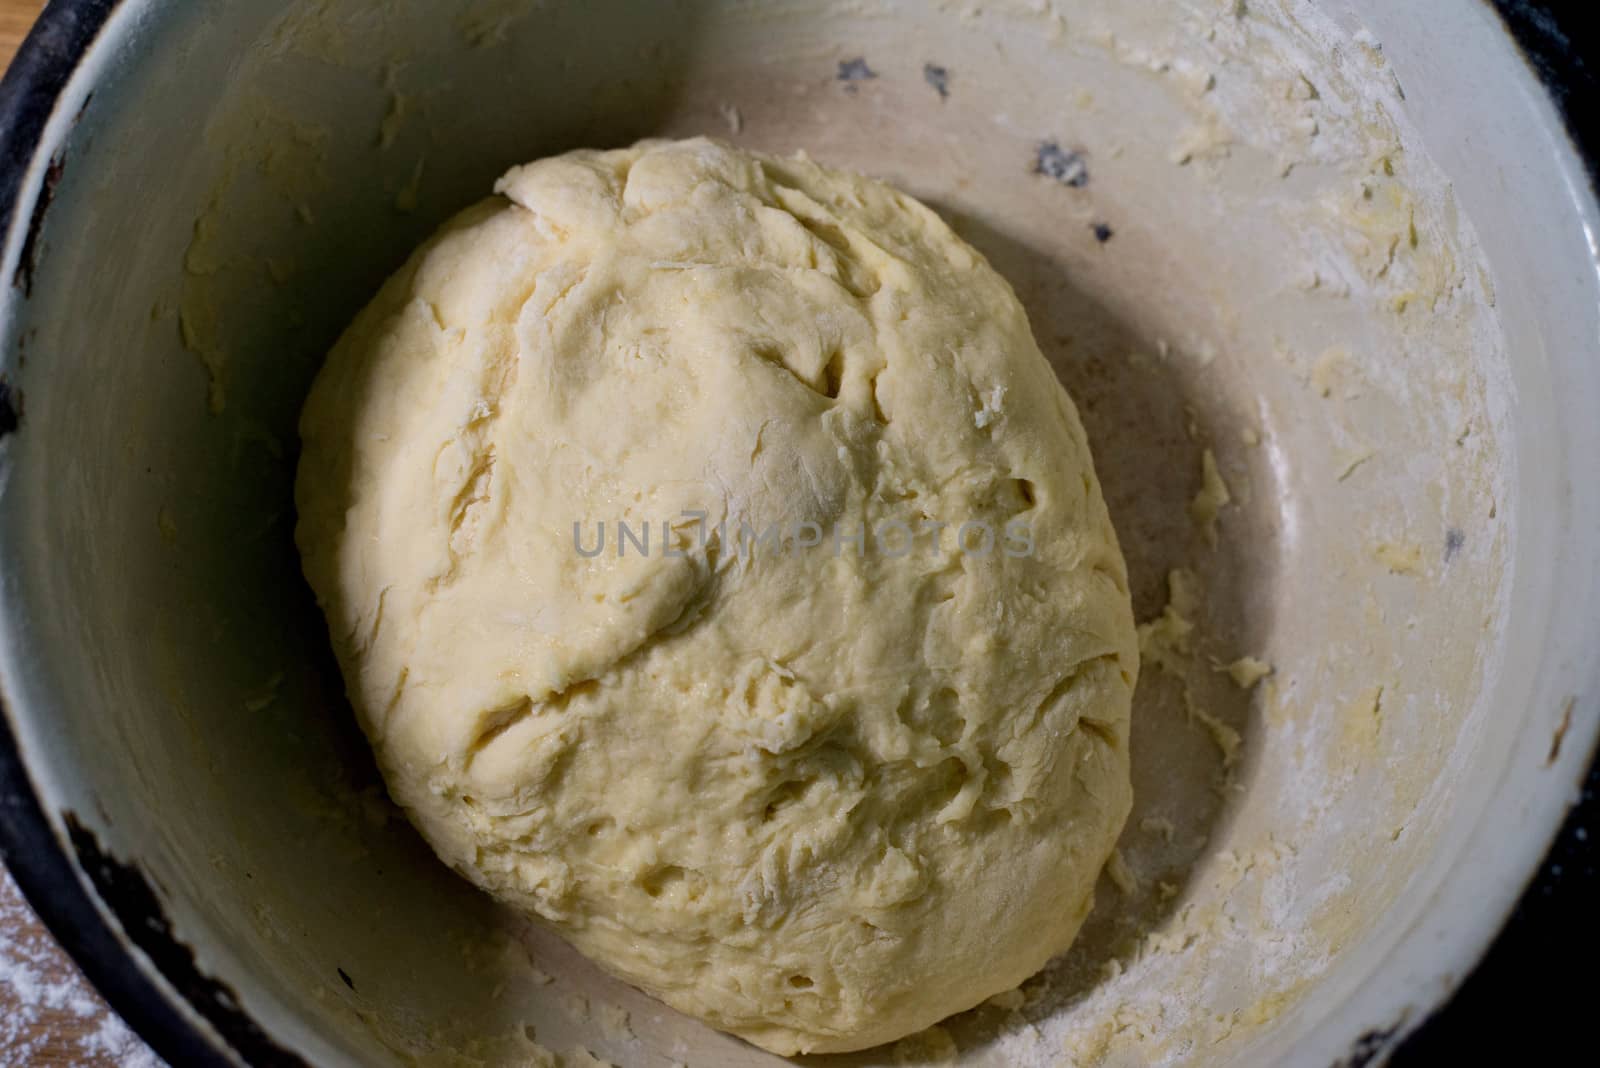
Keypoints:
pixel 1245 248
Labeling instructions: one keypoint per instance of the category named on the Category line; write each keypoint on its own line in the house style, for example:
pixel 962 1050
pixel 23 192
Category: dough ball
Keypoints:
pixel 801 766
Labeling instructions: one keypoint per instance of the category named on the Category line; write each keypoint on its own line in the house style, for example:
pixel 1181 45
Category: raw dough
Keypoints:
pixel 822 797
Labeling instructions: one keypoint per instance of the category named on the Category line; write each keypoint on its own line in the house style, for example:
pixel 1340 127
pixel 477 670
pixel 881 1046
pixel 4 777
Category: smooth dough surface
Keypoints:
pixel 820 798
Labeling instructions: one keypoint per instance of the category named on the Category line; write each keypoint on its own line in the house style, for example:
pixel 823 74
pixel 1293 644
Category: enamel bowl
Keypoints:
pixel 1322 277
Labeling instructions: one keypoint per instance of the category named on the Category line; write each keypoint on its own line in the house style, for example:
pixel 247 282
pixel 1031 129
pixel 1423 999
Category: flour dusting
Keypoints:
pixel 48 1012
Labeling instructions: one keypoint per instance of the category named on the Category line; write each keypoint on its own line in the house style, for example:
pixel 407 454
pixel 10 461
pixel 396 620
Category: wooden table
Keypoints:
pixel 15 18
pixel 49 1014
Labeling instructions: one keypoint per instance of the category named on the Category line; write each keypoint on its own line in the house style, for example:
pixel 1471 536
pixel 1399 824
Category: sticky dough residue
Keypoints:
pixel 1167 643
pixel 1214 495
pixel 286 156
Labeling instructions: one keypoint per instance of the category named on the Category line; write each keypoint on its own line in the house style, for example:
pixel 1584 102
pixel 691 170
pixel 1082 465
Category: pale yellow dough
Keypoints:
pixel 820 799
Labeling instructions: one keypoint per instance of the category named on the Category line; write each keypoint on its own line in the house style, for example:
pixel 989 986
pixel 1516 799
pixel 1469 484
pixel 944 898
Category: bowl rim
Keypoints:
pixel 51 871
pixel 32 845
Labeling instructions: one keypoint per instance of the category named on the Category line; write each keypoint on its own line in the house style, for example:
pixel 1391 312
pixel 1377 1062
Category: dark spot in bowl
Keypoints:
pixel 128 893
pixel 938 77
pixel 1453 541
pixel 344 975
pixel 10 408
pixel 1563 725
pixel 855 70
pixel 1065 166
pixel 1103 233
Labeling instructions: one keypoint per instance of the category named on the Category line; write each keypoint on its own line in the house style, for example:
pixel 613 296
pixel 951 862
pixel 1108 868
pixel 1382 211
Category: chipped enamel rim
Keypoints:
pixel 52 78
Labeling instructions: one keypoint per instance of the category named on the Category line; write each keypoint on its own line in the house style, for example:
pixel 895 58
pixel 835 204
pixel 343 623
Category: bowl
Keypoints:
pixel 1321 275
